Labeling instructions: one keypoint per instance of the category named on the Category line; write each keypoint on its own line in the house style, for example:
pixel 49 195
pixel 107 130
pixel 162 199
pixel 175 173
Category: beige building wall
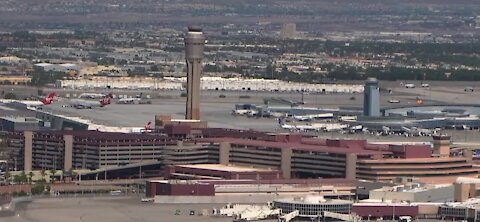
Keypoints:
pixel 68 138
pixel 428 209
pixel 441 146
pixel 462 192
pixel 193 89
pixel 351 166
pixel 27 165
pixel 391 196
pixel 429 195
pixel 224 155
pixel 286 163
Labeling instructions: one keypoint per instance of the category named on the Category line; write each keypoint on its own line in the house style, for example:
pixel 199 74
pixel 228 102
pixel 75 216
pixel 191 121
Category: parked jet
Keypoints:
pixel 93 96
pixel 87 104
pixel 414 131
pixel 313 116
pixel 48 99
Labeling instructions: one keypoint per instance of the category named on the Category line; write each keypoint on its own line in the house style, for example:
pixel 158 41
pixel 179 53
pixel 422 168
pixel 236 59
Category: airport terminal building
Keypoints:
pixel 292 155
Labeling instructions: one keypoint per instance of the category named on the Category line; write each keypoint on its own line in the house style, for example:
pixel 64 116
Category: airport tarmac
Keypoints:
pixel 109 209
pixel 217 110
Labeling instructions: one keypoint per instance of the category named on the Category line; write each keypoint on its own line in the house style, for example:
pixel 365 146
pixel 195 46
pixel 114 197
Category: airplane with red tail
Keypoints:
pixel 148 126
pixel 48 99
pixel 88 104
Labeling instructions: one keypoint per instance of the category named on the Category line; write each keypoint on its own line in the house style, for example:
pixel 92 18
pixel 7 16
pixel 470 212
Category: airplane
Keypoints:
pixel 93 96
pixel 312 116
pixel 86 104
pixel 138 99
pixel 298 127
pixel 146 129
pixel 128 101
pixel 148 126
pixel 133 101
pixel 414 131
pixel 33 104
pixel 48 99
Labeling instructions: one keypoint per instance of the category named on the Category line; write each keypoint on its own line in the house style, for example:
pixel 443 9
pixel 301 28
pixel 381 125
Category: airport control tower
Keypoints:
pixel 194 44
pixel 371 98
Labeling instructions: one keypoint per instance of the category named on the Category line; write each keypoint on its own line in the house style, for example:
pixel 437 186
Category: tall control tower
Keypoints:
pixel 371 98
pixel 194 45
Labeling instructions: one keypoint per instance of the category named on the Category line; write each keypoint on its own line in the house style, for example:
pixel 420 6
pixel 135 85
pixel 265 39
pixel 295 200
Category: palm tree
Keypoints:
pixel 52 174
pixel 7 177
pixel 43 173
pixel 23 177
pixel 30 175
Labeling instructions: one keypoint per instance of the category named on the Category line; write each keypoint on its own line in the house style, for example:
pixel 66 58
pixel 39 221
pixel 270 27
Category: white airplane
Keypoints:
pixel 414 131
pixel 313 116
pixel 330 127
pixel 146 129
pixel 128 100
pixel 347 118
pixel 87 104
pixel 93 95
pixel 299 127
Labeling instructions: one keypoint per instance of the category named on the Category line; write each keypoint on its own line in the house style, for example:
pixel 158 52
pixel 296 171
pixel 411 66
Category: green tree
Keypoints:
pixel 43 173
pixel 23 177
pixel 7 176
pixel 41 77
pixel 30 176
pixel 269 71
pixel 38 188
pixel 52 174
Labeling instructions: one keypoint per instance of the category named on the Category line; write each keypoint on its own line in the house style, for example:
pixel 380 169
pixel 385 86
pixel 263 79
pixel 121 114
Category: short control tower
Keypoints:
pixel 194 45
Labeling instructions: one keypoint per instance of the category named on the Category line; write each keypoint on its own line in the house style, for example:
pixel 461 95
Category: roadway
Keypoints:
pixel 107 209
